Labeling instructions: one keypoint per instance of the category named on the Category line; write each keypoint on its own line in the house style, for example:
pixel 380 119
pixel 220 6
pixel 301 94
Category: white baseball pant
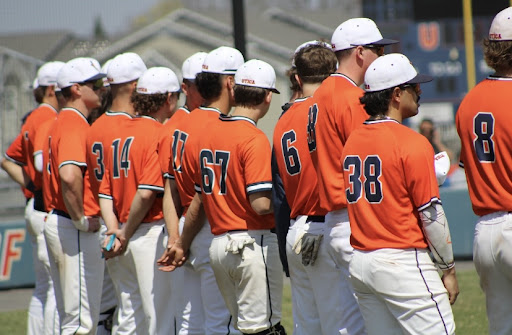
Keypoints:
pixel 77 272
pixel 337 238
pixel 493 262
pixel 400 292
pixel 203 308
pixel 143 291
pixel 250 281
pixel 316 295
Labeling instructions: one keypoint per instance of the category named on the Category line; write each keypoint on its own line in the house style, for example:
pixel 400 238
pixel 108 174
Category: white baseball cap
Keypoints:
pixel 125 67
pixel 35 84
pixel 223 60
pixel 47 74
pixel 256 73
pixel 441 166
pixel 358 31
pixel 104 69
pixel 79 70
pixel 158 80
pixel 308 43
pixel 390 71
pixel 193 65
pixel 501 26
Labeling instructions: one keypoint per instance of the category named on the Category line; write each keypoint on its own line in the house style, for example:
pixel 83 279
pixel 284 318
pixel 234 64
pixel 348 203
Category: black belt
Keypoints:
pixel 316 218
pixel 60 213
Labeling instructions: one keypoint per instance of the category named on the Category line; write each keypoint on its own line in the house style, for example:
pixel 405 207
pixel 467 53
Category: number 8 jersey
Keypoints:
pixel 389 177
pixel 484 127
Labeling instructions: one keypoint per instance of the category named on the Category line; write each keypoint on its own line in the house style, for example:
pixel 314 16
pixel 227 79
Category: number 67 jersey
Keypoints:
pixel 389 177
pixel 484 127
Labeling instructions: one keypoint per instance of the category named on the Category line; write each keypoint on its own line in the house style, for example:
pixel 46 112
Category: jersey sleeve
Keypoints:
pixel 151 176
pixel 15 152
pixel 418 163
pixel 257 165
pixel 72 148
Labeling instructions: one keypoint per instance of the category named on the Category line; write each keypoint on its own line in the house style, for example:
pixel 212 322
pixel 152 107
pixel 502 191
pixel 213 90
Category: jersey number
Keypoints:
pixel 312 117
pixel 290 153
pixel 207 159
pixel 179 138
pixel 484 130
pixel 372 170
pixel 121 161
pixel 97 149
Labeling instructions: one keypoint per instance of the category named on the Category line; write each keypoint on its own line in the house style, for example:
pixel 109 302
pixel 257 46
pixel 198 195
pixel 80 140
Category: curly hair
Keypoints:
pixel 145 104
pixel 376 103
pixel 498 54
pixel 248 96
pixel 314 63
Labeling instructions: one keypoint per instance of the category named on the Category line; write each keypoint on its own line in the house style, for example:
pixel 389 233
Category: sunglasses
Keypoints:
pixel 415 87
pixel 95 84
pixel 378 49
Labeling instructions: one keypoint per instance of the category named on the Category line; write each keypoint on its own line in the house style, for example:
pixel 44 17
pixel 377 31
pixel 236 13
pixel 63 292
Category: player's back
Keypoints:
pixel 335 112
pixel 483 124
pixel 189 131
pixel 132 164
pixel 294 162
pixel 166 140
pixel 235 162
pixel 389 177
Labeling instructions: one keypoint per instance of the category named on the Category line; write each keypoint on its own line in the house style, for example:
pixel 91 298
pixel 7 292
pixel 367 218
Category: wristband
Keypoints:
pixel 82 224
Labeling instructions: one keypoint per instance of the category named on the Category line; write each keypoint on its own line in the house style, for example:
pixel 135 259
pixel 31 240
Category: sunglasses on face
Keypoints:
pixel 94 84
pixel 415 87
pixel 378 49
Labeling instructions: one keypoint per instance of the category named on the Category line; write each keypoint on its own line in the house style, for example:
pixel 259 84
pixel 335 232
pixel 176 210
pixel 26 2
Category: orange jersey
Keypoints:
pixel 234 161
pixel 335 112
pixel 131 163
pixel 189 131
pixel 167 140
pixel 294 162
pixel 486 153
pixel 42 145
pixel 16 155
pixel 68 136
pixel 29 130
pixel 389 177
pixel 99 139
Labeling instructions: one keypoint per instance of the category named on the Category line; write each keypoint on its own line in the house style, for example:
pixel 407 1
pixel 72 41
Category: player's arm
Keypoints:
pixel 16 172
pixel 261 202
pixel 170 209
pixel 141 203
pixel 437 233
pixel 110 218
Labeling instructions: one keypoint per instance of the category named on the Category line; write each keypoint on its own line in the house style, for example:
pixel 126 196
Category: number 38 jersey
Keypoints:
pixel 234 162
pixel 131 163
pixel 485 131
pixel 389 177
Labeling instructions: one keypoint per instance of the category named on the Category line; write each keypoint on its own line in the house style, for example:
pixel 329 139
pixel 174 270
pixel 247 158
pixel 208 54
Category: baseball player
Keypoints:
pixel 313 274
pixel 70 230
pixel 334 112
pixel 395 211
pixel 133 211
pixel 204 306
pixel 235 178
pixel 483 126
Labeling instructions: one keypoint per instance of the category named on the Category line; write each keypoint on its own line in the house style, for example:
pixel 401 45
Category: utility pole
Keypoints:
pixel 239 26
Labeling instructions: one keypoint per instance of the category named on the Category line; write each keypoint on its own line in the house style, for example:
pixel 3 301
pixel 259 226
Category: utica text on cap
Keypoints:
pixel 125 67
pixel 223 60
pixel 193 65
pixel 256 73
pixel 390 71
pixel 501 26
pixel 358 31
pixel 79 70
pixel 47 74
pixel 158 80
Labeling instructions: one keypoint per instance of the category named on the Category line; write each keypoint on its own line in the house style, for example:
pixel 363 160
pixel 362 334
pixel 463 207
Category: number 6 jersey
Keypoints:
pixel 389 177
pixel 484 127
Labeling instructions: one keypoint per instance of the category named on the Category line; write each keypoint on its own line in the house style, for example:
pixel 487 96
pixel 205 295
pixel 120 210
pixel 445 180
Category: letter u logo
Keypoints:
pixel 428 36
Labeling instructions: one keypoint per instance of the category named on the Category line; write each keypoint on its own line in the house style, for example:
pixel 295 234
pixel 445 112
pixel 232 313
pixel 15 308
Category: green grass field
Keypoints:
pixel 469 310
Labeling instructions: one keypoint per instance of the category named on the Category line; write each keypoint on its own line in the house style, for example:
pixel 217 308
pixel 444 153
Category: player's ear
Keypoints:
pixel 299 81
pixel 184 88
pixel 76 90
pixel 396 94
pixel 268 97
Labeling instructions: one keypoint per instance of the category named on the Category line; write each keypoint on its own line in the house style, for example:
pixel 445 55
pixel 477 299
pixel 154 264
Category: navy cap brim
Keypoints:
pixel 382 42
pixel 274 90
pixel 420 78
pixel 96 77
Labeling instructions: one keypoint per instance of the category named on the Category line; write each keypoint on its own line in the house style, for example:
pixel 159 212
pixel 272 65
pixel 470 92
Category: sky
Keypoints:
pixel 18 16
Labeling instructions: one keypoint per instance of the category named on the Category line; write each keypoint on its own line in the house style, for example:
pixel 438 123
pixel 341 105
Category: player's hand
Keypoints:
pixel 174 256
pixel 309 248
pixel 121 242
pixel 115 249
pixel 94 223
pixel 451 284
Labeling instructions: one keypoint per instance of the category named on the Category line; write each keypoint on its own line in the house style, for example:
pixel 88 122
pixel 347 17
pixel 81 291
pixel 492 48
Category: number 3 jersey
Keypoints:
pixel 389 177
pixel 484 125
pixel 234 162
pixel 131 163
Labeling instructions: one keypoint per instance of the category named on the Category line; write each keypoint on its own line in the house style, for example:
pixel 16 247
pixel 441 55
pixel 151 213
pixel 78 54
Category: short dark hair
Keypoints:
pixel 376 103
pixel 209 85
pixel 341 54
pixel 498 54
pixel 248 96
pixel 66 92
pixel 39 93
pixel 294 84
pixel 314 63
pixel 146 104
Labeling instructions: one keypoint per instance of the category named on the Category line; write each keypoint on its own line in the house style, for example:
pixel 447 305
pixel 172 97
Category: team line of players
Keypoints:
pixel 197 191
